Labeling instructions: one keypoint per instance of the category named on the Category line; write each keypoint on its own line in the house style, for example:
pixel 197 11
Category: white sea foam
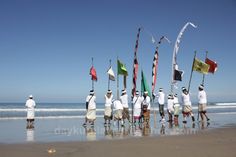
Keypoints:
pixel 226 104
pixel 45 110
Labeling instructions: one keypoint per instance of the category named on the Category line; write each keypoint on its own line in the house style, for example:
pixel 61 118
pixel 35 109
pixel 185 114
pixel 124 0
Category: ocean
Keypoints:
pixel 77 110
pixel 60 122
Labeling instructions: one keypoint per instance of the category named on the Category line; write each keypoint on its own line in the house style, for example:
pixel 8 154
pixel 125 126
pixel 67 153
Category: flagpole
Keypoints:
pixel 92 79
pixel 108 77
pixel 195 53
pixel 203 76
pixel 117 83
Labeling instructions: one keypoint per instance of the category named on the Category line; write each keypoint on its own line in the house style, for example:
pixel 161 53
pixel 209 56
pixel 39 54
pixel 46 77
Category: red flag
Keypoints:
pixel 93 74
pixel 213 65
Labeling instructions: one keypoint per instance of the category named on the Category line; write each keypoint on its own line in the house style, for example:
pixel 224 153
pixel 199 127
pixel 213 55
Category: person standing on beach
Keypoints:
pixel 91 108
pixel 202 102
pixel 118 110
pixel 30 104
pixel 108 110
pixel 137 101
pixel 146 107
pixel 176 109
pixel 187 105
pixel 170 107
pixel 161 102
pixel 124 102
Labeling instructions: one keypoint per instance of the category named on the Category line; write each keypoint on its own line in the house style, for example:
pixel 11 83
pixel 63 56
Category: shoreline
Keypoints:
pixel 211 142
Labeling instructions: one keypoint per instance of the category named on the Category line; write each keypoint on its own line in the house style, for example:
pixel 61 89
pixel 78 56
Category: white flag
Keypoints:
pixel 111 74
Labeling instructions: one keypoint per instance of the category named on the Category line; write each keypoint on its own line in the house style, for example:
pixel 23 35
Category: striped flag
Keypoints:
pixel 135 67
pixel 154 69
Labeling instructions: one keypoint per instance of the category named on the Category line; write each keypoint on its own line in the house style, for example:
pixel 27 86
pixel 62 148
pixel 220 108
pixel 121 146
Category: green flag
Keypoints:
pixel 121 69
pixel 200 66
pixel 144 85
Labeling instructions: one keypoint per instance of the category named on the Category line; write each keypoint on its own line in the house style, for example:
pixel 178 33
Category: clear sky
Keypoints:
pixel 46 45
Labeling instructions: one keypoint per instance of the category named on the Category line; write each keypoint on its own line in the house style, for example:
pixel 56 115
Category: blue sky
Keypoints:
pixel 46 45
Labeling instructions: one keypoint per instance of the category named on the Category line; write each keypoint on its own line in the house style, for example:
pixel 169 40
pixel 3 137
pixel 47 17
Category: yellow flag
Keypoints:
pixel 200 66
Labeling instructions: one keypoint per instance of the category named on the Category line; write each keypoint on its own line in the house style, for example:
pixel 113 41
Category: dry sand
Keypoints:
pixel 213 143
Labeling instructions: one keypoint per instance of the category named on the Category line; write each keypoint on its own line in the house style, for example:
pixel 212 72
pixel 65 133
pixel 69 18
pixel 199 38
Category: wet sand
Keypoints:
pixel 213 142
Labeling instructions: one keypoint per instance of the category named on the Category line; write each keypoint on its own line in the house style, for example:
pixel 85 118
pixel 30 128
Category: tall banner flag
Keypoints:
pixel 212 64
pixel 154 69
pixel 155 61
pixel 175 51
pixel 111 74
pixel 144 85
pixel 135 66
pixel 200 66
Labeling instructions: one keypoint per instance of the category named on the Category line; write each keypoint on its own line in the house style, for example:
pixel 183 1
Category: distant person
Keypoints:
pixel 161 102
pixel 118 110
pixel 202 102
pixel 90 108
pixel 124 102
pixel 170 107
pixel 187 105
pixel 176 109
pixel 146 107
pixel 108 109
pixel 137 101
pixel 30 104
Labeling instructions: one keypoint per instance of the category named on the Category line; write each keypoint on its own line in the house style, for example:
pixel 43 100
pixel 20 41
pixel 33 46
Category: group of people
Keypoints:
pixel 173 105
pixel 118 110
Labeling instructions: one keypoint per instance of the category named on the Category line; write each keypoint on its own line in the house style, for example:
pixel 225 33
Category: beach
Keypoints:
pixel 217 142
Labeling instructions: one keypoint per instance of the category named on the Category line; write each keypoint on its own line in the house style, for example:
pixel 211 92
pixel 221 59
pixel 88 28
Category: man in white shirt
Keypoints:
pixel 202 102
pixel 161 102
pixel 137 101
pixel 30 104
pixel 187 105
pixel 91 108
pixel 118 110
pixel 108 110
pixel 146 107
pixel 176 110
pixel 124 101
pixel 170 107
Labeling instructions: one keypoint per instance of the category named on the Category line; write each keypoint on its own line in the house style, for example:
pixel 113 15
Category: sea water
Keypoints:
pixel 63 122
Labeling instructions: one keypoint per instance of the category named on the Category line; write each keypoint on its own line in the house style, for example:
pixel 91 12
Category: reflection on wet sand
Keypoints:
pixel 30 132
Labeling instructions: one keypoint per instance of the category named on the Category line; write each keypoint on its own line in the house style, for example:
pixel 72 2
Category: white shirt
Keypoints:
pixel 137 101
pixel 30 103
pixel 176 101
pixel 186 99
pixel 117 105
pixel 161 98
pixel 147 102
pixel 124 100
pixel 92 102
pixel 108 101
pixel 202 98
pixel 170 104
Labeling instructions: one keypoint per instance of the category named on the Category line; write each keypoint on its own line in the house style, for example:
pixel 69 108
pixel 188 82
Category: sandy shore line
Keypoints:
pixel 217 143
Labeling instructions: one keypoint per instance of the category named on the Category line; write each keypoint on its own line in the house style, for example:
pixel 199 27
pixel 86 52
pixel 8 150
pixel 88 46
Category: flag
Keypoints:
pixel 135 66
pixel 154 69
pixel 212 64
pixel 121 69
pixel 144 85
pixel 111 74
pixel 178 75
pixel 200 66
pixel 93 74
